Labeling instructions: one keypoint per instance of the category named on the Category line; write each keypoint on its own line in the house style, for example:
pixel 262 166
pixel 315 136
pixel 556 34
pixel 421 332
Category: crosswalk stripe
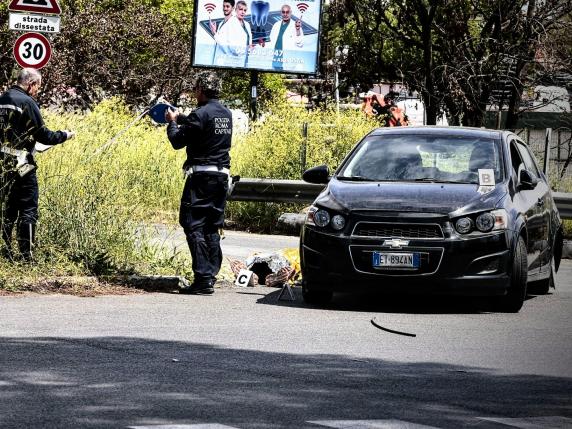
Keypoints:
pixel 370 424
pixel 195 426
pixel 549 422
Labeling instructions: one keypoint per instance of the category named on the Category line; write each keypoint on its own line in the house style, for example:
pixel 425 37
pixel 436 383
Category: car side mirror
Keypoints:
pixel 319 174
pixel 526 180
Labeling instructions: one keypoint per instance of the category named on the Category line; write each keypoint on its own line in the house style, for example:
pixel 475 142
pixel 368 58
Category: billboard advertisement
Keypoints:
pixel 268 35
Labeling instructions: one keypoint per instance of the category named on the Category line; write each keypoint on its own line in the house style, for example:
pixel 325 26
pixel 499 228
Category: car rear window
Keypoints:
pixel 423 158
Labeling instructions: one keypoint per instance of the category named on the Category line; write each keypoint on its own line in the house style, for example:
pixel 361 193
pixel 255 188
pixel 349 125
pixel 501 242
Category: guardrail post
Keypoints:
pixel 303 148
pixel 547 143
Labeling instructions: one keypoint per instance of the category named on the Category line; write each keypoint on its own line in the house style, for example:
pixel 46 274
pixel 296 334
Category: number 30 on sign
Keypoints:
pixel 32 50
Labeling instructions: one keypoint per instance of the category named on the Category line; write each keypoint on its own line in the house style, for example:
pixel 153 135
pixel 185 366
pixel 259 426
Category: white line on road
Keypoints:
pixel 550 422
pixel 370 424
pixel 196 426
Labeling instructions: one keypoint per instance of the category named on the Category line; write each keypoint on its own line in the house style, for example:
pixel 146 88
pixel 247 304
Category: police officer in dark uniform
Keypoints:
pixel 21 126
pixel 206 134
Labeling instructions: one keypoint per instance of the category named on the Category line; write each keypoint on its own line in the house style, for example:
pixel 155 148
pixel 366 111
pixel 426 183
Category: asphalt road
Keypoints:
pixel 234 244
pixel 242 359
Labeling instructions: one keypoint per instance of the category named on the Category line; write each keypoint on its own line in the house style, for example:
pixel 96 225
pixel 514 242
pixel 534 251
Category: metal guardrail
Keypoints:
pixel 275 191
pixel 298 191
pixel 563 201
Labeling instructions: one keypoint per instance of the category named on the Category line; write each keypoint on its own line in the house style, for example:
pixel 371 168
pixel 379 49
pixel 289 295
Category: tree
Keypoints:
pixel 117 48
pixel 459 54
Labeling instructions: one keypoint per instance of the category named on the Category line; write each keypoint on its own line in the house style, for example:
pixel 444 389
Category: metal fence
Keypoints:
pixel 560 145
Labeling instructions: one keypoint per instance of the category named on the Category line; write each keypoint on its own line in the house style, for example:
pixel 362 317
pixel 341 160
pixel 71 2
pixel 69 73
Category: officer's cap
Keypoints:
pixel 209 82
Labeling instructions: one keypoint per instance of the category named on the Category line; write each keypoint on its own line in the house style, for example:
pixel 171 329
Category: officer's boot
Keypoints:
pixel 202 283
pixel 215 253
pixel 26 240
pixel 7 252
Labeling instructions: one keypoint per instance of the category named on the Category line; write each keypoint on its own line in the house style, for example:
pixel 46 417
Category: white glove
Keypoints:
pixel 69 134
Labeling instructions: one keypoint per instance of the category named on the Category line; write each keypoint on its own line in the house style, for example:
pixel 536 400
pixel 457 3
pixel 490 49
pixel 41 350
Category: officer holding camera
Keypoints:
pixel 206 134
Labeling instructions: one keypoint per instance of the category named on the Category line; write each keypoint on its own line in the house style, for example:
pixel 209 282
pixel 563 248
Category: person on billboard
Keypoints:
pixel 286 36
pixel 222 33
pixel 241 36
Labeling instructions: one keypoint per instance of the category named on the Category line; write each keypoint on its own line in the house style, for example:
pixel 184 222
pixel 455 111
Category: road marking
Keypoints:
pixel 550 422
pixel 370 424
pixel 196 426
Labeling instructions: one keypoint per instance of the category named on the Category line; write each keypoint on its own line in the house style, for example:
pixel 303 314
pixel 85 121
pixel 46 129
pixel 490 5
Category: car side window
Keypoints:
pixel 528 158
pixel 515 158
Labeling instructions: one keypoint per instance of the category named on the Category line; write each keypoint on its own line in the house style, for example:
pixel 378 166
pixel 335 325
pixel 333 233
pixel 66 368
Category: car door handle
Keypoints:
pixel 540 202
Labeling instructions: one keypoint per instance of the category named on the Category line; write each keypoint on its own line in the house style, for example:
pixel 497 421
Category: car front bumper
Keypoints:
pixel 477 266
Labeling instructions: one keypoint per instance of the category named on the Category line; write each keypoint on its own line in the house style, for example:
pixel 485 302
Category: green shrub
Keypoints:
pixel 94 195
pixel 275 149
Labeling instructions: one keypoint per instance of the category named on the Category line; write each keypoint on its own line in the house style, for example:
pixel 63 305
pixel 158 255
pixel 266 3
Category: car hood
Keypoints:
pixel 441 198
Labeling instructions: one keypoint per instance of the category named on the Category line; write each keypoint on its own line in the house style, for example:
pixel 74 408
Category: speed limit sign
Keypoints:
pixel 32 50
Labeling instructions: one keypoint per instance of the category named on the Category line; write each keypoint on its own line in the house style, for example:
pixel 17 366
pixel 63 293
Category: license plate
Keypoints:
pixel 395 260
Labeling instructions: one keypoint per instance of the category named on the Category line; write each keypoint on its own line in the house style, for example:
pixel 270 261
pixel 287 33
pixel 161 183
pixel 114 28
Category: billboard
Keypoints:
pixel 269 35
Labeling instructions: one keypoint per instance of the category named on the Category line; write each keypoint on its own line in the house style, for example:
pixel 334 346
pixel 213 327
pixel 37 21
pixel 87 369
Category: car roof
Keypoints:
pixel 440 130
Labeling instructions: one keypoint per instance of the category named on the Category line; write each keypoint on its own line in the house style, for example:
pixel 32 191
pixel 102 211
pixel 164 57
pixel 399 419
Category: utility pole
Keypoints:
pixel 253 95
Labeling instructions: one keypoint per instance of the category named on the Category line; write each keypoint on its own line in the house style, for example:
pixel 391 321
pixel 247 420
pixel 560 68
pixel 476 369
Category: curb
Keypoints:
pixel 567 249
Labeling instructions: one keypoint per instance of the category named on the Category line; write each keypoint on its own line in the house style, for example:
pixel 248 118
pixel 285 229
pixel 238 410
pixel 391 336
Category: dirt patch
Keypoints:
pixel 94 286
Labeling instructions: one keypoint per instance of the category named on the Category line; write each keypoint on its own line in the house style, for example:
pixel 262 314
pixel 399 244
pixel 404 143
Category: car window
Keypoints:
pixel 528 159
pixel 515 158
pixel 423 157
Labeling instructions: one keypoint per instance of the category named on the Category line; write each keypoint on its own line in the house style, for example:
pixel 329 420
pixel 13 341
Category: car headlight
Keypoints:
pixel 338 222
pixel 495 220
pixel 485 222
pixel 321 218
pixel 464 225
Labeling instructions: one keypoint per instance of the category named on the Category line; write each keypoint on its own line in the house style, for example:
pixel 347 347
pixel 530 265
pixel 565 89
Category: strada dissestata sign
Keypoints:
pixel 37 23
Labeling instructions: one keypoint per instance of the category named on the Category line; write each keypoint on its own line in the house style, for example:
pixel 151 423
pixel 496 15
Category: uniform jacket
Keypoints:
pixel 206 133
pixel 21 124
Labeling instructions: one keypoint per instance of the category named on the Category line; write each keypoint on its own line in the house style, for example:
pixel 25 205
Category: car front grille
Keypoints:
pixel 397 230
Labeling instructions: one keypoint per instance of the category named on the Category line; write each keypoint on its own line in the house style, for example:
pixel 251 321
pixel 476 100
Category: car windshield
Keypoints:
pixel 422 158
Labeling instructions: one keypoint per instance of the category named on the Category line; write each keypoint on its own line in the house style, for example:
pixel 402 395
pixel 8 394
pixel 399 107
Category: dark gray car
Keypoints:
pixel 435 210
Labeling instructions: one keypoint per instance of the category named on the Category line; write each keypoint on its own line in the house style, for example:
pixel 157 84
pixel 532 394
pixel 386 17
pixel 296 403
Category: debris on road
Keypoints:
pixel 374 323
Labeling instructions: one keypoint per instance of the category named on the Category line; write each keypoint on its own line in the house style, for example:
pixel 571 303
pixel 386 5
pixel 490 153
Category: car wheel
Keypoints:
pixel 315 296
pixel 513 300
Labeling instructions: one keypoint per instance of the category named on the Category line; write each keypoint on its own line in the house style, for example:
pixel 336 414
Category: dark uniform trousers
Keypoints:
pixel 201 215
pixel 19 196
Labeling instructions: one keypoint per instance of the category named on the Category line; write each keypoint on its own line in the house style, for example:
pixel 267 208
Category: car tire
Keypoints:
pixel 514 299
pixel 318 297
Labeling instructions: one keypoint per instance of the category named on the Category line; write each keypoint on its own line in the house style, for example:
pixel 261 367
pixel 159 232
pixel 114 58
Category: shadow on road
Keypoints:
pixel 119 382
pixel 392 303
